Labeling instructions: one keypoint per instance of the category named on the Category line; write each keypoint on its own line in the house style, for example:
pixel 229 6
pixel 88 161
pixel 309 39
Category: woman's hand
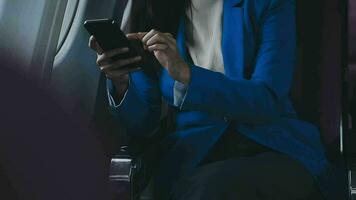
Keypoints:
pixel 164 47
pixel 116 70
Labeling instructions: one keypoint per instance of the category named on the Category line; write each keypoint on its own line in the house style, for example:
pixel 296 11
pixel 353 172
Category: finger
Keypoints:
pixel 149 35
pixel 157 47
pixel 170 38
pixel 115 52
pixel 120 64
pixel 119 73
pixel 93 44
pixel 171 41
pixel 136 36
pixel 102 60
pixel 105 58
pixel 157 38
pixel 168 34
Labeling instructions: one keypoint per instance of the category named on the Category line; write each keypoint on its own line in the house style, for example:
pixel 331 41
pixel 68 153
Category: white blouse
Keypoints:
pixel 203 34
pixel 203 40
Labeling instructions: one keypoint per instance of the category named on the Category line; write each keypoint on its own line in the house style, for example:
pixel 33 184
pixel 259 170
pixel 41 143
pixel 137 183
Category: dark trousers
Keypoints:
pixel 238 168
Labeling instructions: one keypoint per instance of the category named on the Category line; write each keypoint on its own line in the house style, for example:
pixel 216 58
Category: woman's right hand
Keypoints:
pixel 114 70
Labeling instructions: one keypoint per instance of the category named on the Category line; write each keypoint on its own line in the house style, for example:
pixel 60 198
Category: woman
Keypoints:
pixel 227 67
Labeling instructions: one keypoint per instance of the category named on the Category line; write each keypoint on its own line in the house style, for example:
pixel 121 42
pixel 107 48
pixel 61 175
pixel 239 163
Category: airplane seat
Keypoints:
pixel 350 107
pixel 352 61
pixel 317 84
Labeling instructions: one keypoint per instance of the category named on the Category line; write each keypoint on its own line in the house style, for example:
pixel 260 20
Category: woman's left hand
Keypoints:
pixel 164 47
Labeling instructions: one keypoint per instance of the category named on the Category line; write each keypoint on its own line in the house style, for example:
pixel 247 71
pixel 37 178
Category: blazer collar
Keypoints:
pixel 236 3
pixel 233 35
pixel 181 39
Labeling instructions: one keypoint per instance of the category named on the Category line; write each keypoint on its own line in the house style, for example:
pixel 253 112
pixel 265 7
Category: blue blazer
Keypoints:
pixel 259 53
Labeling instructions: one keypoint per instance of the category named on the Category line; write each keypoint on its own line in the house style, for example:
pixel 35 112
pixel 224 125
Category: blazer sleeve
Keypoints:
pixel 140 109
pixel 256 100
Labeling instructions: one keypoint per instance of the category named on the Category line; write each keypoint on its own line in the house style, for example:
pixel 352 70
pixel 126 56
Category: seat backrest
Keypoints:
pixel 317 87
pixel 352 62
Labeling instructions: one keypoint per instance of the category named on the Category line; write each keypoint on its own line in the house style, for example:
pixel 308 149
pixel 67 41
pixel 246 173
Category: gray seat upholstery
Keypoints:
pixel 351 97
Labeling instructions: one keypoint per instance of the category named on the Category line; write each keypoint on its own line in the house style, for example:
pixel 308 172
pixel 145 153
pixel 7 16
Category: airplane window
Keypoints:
pixel 2 5
pixel 69 15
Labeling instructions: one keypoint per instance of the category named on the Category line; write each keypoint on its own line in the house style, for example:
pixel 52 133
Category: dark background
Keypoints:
pixel 317 92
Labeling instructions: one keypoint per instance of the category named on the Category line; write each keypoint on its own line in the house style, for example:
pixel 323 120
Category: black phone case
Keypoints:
pixel 109 36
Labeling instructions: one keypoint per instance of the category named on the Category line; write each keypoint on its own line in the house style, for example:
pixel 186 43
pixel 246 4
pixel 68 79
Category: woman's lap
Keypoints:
pixel 264 176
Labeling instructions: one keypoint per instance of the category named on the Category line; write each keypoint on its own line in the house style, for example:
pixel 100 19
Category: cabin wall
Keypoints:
pixel 19 28
pixel 75 75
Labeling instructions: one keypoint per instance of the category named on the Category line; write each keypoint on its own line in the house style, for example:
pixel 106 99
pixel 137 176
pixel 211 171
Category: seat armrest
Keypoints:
pixel 120 169
pixel 128 176
pixel 120 175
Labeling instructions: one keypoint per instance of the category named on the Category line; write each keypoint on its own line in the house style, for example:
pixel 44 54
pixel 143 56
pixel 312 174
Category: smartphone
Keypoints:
pixel 109 36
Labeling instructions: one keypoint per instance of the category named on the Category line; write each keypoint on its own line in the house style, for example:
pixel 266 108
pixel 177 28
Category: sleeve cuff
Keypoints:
pixel 179 93
pixel 111 93
pixel 203 89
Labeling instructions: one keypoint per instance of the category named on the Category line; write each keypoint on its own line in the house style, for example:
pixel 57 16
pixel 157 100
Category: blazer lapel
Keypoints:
pixel 233 38
pixel 181 39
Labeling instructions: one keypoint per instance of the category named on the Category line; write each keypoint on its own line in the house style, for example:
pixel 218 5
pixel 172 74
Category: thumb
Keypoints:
pixel 136 36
